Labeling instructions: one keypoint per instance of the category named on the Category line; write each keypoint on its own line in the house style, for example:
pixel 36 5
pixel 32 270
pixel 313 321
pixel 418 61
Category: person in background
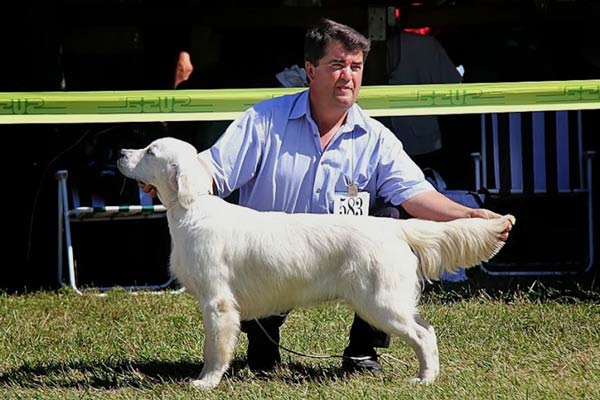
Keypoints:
pixel 307 153
pixel 412 59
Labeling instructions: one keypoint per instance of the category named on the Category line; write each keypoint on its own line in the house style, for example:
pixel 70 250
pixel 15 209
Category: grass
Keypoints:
pixel 531 344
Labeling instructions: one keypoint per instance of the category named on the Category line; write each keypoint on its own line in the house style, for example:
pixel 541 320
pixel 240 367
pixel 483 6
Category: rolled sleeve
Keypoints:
pixel 235 157
pixel 398 177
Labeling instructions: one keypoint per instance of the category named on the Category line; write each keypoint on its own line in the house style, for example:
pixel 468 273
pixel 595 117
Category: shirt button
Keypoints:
pixel 318 190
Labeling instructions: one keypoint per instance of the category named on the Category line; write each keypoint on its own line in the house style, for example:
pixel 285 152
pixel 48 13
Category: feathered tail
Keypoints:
pixel 448 246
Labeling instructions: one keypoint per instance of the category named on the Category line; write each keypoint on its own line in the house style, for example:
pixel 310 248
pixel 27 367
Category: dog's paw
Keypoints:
pixel 422 381
pixel 205 383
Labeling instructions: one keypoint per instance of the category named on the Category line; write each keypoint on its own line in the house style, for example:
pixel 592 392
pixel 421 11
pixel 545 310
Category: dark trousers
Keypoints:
pixel 363 337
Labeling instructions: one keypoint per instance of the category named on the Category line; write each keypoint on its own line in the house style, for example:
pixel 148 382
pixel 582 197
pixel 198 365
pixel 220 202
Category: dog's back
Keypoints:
pixel 275 261
pixel 295 259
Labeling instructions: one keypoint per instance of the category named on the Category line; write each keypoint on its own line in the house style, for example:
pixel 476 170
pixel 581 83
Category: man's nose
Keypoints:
pixel 346 73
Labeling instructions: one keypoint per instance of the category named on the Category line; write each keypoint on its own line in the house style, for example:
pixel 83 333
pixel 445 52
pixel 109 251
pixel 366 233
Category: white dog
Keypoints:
pixel 243 264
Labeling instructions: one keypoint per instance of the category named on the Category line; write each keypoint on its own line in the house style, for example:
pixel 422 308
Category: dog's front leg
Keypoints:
pixel 221 325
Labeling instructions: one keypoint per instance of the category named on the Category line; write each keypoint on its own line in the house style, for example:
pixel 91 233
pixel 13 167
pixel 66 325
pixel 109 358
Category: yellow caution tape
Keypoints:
pixel 227 104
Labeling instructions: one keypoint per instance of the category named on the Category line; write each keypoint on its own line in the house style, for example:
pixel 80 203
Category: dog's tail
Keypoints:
pixel 448 246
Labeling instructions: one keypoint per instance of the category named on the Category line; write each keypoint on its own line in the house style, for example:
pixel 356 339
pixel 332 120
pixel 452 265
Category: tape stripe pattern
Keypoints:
pixel 226 104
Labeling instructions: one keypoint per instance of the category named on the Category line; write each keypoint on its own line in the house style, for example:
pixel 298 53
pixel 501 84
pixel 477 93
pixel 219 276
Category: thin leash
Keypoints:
pixel 385 357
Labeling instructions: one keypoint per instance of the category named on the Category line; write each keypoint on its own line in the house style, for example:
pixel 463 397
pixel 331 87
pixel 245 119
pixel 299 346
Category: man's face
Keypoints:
pixel 335 81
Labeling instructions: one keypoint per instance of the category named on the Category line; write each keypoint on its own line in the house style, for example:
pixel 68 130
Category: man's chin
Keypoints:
pixel 346 101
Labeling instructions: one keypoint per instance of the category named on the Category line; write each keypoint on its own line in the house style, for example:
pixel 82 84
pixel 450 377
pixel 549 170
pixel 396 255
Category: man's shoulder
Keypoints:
pixel 368 123
pixel 274 112
pixel 286 101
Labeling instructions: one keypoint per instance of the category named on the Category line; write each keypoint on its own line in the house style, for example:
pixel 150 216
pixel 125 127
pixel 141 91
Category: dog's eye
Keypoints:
pixel 150 152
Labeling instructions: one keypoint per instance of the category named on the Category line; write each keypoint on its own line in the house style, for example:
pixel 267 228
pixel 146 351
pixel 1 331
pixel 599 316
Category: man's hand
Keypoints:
pixel 487 214
pixel 147 188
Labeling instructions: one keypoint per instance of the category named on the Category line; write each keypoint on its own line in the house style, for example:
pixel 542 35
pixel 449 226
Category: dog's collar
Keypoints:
pixel 172 204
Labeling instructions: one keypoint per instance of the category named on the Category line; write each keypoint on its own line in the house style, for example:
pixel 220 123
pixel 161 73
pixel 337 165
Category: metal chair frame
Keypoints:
pixel 584 184
pixel 78 214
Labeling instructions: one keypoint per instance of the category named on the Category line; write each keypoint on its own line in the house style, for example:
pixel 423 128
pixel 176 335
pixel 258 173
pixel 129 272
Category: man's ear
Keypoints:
pixel 310 70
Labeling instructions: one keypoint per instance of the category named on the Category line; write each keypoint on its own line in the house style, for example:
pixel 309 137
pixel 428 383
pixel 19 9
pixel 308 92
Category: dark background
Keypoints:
pixel 132 44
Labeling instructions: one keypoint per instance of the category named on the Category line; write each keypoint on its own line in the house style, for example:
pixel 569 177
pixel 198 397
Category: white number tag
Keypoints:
pixel 351 205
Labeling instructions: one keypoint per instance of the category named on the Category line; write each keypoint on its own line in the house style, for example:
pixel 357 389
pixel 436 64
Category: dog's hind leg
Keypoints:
pixel 419 334
pixel 434 364
pixel 221 325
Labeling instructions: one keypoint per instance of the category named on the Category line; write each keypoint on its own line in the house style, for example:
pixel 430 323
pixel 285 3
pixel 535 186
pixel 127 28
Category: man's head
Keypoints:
pixel 335 55
pixel 319 36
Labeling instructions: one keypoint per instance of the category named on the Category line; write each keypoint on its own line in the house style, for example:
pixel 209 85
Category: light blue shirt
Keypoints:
pixel 273 154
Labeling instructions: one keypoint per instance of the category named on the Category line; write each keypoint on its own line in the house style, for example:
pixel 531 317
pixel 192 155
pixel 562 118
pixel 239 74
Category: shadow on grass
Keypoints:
pixel 108 374
pixel 298 373
pixel 568 289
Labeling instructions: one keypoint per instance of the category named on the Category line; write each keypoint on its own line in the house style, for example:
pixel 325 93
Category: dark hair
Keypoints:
pixel 318 37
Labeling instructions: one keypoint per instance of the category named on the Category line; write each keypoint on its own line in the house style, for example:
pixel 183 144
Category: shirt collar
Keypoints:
pixel 355 118
pixel 300 107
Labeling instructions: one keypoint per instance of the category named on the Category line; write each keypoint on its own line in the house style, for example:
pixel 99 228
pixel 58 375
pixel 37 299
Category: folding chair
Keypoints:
pixel 70 211
pixel 533 165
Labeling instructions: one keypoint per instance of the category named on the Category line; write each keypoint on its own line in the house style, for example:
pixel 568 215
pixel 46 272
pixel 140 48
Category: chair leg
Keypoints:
pixel 59 238
pixel 70 257
pixel 591 244
pixel 69 244
pixel 477 161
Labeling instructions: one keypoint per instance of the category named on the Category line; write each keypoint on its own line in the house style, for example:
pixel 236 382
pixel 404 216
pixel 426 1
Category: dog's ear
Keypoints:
pixel 186 185
pixel 190 179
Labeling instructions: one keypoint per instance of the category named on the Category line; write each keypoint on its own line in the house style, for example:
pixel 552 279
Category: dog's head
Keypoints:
pixel 172 166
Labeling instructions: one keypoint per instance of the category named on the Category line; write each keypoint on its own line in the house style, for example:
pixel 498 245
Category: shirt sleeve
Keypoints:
pixel 398 177
pixel 235 157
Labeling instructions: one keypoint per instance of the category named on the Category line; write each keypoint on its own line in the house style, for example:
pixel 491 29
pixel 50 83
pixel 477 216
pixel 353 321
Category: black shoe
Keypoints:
pixel 361 364
pixel 368 365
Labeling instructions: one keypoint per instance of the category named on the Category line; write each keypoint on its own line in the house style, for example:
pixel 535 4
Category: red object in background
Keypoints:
pixel 420 31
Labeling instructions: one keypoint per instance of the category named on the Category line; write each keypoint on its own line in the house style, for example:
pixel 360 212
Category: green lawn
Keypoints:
pixel 507 346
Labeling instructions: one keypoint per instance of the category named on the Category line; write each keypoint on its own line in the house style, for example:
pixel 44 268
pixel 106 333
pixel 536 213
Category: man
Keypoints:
pixel 309 151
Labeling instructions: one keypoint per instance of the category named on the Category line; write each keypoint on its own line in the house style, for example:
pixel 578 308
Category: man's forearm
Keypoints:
pixel 434 206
